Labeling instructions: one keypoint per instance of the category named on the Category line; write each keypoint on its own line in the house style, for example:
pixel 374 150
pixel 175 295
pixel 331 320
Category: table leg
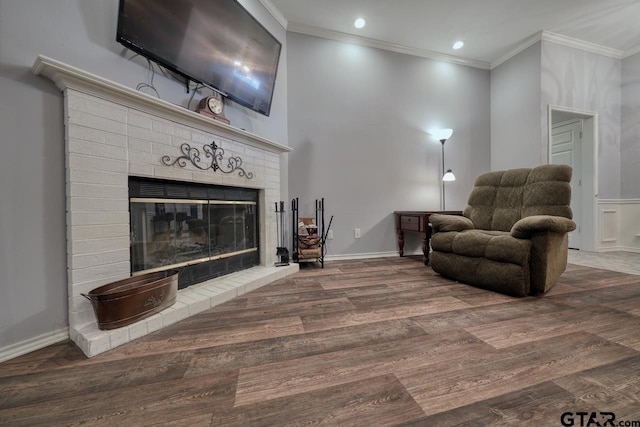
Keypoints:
pixel 425 248
pixel 426 238
pixel 401 242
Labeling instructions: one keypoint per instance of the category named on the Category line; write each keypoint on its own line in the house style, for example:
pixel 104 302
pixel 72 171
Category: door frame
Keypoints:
pixel 575 237
pixel 589 169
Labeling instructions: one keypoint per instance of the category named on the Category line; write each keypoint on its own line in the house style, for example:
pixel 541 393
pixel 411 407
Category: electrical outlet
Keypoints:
pixel 356 233
pixel 330 234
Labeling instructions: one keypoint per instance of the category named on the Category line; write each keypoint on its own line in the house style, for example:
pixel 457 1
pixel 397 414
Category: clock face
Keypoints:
pixel 215 105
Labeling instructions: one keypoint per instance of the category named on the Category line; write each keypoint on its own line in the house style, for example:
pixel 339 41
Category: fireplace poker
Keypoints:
pixel 281 250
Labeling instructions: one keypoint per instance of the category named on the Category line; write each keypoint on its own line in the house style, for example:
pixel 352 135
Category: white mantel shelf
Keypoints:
pixel 67 76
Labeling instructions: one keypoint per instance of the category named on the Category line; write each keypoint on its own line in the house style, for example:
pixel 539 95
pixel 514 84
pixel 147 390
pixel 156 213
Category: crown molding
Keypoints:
pixel 528 42
pixel 365 41
pixel 631 52
pixel 525 44
pixel 273 10
pixel 582 45
pixel 564 41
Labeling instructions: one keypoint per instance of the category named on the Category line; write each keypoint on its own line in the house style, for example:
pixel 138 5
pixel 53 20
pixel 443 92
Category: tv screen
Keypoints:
pixel 213 42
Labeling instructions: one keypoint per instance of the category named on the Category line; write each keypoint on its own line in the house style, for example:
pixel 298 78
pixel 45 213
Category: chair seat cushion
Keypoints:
pixel 494 245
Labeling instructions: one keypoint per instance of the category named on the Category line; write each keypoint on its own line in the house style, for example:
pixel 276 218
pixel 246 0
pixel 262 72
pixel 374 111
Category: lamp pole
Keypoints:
pixel 442 175
pixel 443 135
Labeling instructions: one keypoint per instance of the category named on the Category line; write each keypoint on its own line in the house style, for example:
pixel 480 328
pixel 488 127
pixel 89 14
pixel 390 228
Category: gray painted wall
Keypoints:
pixel 630 146
pixel 515 111
pixel 586 81
pixel 550 74
pixel 33 293
pixel 358 122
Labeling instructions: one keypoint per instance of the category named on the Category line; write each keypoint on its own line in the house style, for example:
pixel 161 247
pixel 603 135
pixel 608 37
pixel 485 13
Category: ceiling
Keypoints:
pixel 490 29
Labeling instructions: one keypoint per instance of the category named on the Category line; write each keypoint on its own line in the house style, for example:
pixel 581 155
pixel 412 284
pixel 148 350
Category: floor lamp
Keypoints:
pixel 443 135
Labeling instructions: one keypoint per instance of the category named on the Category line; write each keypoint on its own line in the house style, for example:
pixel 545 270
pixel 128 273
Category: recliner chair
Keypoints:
pixel 513 235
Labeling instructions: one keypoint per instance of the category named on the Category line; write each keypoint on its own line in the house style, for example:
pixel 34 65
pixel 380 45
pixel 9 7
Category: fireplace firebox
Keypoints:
pixel 204 231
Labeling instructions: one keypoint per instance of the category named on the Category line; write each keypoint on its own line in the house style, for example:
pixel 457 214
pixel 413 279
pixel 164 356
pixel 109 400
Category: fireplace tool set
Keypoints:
pixel 309 234
pixel 281 250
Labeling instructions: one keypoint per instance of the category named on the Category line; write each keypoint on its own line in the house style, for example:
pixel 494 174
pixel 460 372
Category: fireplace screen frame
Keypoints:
pixel 176 210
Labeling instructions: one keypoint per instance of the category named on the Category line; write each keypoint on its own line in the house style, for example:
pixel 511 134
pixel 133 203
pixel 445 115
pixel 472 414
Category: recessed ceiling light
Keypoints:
pixel 359 23
pixel 457 45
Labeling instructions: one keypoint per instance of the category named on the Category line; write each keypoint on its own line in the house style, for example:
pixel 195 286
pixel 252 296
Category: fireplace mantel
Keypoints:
pixel 112 133
pixel 66 76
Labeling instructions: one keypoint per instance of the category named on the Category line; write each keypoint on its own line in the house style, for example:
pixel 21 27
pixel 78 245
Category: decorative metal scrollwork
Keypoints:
pixel 211 151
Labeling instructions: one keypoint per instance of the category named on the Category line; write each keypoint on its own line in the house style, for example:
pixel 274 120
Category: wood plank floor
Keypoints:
pixel 359 343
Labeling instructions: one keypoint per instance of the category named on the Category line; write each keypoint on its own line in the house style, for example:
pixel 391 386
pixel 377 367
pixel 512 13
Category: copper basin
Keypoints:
pixel 126 301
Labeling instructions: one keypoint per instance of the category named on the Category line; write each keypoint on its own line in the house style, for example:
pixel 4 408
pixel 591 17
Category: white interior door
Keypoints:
pixel 566 148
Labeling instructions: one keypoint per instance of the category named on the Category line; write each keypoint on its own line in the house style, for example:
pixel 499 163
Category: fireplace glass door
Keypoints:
pixel 172 233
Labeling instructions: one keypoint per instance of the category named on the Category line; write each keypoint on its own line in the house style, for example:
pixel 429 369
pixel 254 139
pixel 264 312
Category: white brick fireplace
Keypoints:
pixel 113 132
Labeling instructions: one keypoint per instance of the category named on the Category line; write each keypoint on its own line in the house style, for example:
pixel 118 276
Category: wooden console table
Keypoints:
pixel 417 221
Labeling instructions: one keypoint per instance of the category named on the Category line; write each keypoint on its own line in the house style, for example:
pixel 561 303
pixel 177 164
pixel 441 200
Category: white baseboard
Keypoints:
pixel 416 252
pixel 604 249
pixel 345 257
pixel 629 249
pixel 619 249
pixel 27 346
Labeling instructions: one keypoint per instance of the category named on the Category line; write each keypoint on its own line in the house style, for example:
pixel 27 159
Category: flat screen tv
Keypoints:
pixel 213 42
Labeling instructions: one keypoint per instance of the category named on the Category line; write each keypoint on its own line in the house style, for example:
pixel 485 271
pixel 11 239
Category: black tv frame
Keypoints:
pixel 189 77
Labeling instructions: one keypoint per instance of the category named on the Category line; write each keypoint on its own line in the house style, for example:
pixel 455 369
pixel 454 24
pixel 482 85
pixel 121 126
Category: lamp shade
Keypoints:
pixel 449 176
pixel 443 134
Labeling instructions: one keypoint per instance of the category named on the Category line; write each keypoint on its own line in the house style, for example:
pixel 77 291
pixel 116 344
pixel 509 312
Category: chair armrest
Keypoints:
pixel 442 223
pixel 527 226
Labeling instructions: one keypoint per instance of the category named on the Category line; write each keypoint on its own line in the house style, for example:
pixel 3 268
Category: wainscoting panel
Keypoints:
pixel 619 225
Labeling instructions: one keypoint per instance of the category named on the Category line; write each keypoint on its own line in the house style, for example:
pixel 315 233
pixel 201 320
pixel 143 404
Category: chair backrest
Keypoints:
pixel 499 199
